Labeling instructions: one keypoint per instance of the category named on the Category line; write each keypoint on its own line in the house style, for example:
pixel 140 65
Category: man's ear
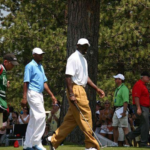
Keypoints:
pixel 5 62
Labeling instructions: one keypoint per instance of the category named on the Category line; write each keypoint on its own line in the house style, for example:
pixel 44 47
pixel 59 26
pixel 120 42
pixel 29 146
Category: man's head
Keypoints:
pixel 119 78
pixel 83 45
pixel 37 54
pixel 145 76
pixel 10 61
pixel 107 104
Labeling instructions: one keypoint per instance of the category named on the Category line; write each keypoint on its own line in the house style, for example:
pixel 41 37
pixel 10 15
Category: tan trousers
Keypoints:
pixel 73 118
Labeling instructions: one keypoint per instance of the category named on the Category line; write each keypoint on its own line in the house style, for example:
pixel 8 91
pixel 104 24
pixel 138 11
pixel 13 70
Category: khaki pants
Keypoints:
pixel 73 118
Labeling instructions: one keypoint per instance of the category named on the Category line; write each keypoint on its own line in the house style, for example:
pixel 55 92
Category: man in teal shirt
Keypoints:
pixel 121 100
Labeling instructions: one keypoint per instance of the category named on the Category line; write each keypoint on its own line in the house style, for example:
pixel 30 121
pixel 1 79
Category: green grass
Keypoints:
pixel 76 147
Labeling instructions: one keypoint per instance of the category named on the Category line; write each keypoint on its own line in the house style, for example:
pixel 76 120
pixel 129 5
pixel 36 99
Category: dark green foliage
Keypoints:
pixel 35 23
pixel 124 42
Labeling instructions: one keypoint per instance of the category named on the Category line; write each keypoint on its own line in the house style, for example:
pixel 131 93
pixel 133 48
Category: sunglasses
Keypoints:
pixel 107 103
pixel 25 108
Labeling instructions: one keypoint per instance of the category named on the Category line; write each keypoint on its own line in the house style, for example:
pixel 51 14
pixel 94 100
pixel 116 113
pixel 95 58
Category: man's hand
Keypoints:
pixel 52 112
pixel 100 93
pixel 54 100
pixel 123 114
pixel 24 102
pixel 139 111
pixel 73 99
pixel 8 84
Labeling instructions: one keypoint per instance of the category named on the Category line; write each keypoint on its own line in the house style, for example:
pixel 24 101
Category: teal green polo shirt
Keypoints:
pixel 121 95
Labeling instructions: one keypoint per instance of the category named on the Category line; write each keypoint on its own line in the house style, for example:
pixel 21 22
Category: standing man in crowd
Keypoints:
pixel 76 79
pixel 141 103
pixel 9 62
pixel 34 84
pixel 121 99
pixel 53 117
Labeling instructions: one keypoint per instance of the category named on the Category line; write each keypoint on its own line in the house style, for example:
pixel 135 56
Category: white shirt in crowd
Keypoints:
pixel 77 68
pixel 25 119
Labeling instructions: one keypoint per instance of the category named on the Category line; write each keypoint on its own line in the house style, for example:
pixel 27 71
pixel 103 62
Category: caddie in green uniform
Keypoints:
pixel 121 100
pixel 9 61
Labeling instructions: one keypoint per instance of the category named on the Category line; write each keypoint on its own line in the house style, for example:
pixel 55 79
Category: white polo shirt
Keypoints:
pixel 77 68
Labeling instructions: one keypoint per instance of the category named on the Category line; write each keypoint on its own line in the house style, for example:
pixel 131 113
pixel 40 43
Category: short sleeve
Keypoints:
pixel 136 92
pixel 71 67
pixel 125 95
pixel 27 74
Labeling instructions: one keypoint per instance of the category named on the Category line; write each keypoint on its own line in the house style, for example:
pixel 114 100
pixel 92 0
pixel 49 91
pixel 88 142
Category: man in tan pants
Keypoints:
pixel 76 79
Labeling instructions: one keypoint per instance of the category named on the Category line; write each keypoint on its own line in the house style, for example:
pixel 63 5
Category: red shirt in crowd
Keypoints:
pixel 140 90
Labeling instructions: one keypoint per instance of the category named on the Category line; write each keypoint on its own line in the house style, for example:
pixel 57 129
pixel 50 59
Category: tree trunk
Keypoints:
pixel 83 22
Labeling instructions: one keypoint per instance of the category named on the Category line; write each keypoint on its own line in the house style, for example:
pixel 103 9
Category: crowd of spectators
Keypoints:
pixel 104 113
pixel 125 124
pixel 23 117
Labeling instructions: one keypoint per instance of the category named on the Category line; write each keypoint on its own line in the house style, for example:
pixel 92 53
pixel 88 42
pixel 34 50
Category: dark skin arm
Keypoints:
pixel 50 93
pixel 99 91
pixel 70 90
pixel 24 100
pixel 25 88
pixel 90 83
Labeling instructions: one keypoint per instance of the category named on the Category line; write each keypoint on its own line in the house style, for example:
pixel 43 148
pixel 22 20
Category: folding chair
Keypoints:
pixel 19 131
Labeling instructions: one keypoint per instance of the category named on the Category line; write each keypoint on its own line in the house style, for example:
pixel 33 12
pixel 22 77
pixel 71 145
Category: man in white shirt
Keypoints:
pixel 76 79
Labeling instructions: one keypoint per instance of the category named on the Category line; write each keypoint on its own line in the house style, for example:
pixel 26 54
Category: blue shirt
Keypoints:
pixel 35 75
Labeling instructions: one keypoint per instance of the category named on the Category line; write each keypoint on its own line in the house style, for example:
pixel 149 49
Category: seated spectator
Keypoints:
pixel 97 113
pixel 53 117
pixel 24 118
pixel 11 110
pixel 11 123
pixel 3 134
pixel 106 121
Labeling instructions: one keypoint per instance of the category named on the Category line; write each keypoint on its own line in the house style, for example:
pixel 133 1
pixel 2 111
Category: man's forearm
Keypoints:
pixel 137 102
pixel 90 83
pixel 47 89
pixel 69 84
pixel 25 88
pixel 125 106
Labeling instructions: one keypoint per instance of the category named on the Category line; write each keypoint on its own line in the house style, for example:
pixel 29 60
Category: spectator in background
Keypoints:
pixel 141 103
pixel 11 110
pixel 53 117
pixel 24 118
pixel 121 100
pixel 97 113
pixel 14 121
pixel 106 121
pixel 3 134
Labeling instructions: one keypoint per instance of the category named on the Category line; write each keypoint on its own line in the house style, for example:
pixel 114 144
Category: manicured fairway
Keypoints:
pixel 76 147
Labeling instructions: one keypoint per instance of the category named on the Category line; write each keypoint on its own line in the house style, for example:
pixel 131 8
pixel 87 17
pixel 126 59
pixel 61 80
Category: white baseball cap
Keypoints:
pixel 37 51
pixel 83 41
pixel 119 76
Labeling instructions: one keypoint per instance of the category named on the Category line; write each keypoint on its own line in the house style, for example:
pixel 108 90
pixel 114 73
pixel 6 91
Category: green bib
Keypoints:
pixel 3 87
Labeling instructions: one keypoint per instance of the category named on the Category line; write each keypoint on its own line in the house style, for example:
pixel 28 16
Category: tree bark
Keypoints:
pixel 83 22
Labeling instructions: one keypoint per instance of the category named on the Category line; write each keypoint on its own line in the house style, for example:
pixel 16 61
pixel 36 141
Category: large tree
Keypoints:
pixel 83 22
